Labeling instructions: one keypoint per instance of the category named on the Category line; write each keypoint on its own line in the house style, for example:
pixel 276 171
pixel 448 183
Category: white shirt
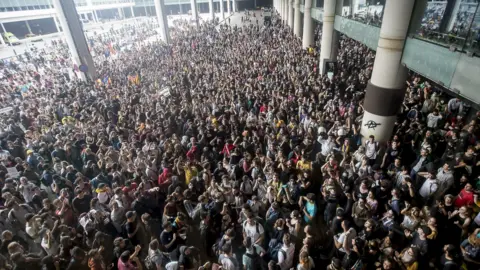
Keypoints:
pixel 432 120
pixel 253 231
pixel 371 149
pixel 286 263
pixel 445 180
pixel 327 147
pixel 227 264
pixel 428 188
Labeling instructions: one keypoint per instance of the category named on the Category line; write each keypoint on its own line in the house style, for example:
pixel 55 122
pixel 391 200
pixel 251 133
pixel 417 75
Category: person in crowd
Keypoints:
pixel 219 149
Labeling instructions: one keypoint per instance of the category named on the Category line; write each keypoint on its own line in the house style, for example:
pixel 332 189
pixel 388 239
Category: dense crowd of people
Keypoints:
pixel 226 149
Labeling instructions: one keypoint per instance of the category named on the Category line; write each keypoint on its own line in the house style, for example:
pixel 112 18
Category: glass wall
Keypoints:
pixel 366 11
pixel 452 23
pixel 19 5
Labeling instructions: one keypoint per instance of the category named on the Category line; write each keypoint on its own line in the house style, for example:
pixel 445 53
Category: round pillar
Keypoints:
pixel 307 25
pixel 386 89
pixel 297 27
pixel 290 13
pixel 327 32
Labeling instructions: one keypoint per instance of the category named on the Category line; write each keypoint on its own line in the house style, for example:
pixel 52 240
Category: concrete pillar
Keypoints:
pixel 308 30
pixel 73 33
pixel 1 38
pixel 28 27
pixel 448 22
pixel 386 89
pixel 336 34
pixel 222 12
pixel 327 32
pixel 4 31
pixel 297 27
pixel 162 20
pixel 56 23
pixel 95 16
pixel 234 6
pixel 354 4
pixel 120 13
pixel 290 13
pixel 193 7
pixel 229 9
pixel 133 13
pixel 212 11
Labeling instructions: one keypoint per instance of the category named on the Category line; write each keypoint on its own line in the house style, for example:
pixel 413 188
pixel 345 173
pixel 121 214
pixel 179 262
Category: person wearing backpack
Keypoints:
pixel 155 259
pixel 286 253
pixel 253 229
pixel 253 257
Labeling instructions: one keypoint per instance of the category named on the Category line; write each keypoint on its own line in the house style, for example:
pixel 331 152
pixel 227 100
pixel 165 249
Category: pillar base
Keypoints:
pixel 381 108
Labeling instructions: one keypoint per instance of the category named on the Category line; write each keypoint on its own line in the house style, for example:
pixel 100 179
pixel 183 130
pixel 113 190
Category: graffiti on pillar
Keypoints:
pixel 372 124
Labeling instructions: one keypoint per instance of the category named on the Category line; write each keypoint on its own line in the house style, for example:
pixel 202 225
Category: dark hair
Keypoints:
pixel 227 248
pixel 125 256
pixel 166 225
pixel 154 245
pixel 77 252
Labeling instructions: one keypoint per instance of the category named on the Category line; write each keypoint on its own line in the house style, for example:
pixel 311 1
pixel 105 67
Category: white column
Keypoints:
pixel 73 33
pixel 229 10
pixel 290 13
pixel 386 89
pixel 1 38
pixel 212 12
pixel 133 13
pixel 327 32
pixel 297 27
pixel 193 7
pixel 453 17
pixel 4 31
pixel 285 11
pixel 307 25
pixel 95 16
pixel 336 34
pixel 28 27
pixel 222 13
pixel 56 23
pixel 234 4
pixel 162 20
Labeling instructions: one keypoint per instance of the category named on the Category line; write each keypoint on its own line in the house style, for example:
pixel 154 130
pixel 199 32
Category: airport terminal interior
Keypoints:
pixel 240 134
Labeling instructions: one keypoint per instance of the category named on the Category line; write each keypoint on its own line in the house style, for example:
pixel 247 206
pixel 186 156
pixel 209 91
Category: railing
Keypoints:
pixel 457 28
pixel 370 15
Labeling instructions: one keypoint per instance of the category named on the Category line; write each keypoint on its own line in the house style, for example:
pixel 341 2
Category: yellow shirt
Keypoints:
pixel 190 172
pixel 304 165
pixel 414 266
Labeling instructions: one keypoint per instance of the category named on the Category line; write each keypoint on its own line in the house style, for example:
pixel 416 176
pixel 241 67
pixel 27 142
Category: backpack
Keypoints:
pixel 150 261
pixel 273 252
pixel 256 226
pixel 257 261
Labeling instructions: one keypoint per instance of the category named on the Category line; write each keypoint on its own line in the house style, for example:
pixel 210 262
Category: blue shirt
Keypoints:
pixel 311 210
